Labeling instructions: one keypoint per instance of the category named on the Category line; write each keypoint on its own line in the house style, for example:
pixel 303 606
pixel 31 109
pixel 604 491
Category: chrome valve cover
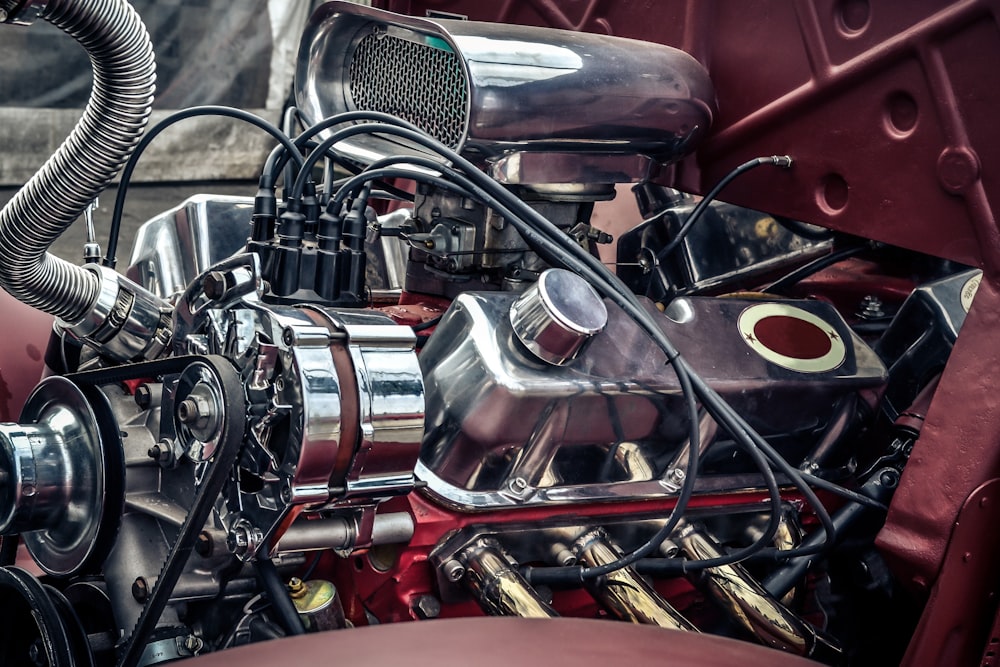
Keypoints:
pixel 505 428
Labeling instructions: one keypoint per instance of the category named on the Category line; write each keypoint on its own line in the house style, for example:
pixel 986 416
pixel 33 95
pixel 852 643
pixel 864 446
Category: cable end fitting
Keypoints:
pixel 783 161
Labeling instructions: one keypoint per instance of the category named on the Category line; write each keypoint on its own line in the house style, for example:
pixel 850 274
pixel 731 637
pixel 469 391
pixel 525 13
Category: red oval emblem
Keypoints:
pixel 793 337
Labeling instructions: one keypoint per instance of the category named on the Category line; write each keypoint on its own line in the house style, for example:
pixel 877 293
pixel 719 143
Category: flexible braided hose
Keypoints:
pixel 124 74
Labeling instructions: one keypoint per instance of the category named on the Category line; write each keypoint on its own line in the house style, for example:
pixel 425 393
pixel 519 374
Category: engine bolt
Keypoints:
pixel 204 546
pixel 562 556
pixel 889 479
pixel 188 411
pixel 193 644
pixel 162 452
pixel 243 540
pixel 214 285
pixel 426 606
pixel 140 589
pixel 669 549
pixel 453 570
pixel 518 486
pixel 871 308
pixel 673 480
pixel 143 396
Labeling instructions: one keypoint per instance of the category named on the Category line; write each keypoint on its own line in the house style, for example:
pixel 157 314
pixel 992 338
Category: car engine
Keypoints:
pixel 405 380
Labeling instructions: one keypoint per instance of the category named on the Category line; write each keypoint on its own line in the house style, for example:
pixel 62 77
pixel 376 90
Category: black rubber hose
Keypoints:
pixel 124 74
pixel 277 593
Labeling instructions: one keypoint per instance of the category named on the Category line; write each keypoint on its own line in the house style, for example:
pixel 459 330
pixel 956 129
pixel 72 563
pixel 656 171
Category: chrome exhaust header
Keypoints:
pixel 748 603
pixel 623 592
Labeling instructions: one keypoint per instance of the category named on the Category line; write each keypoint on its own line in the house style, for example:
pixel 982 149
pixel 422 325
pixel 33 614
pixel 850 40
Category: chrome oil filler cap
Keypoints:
pixel 557 315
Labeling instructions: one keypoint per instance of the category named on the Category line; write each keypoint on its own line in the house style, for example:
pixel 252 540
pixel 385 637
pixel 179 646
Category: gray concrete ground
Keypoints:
pixel 144 201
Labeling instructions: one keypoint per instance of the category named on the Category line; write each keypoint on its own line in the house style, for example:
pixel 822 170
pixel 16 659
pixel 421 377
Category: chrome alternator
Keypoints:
pixel 336 402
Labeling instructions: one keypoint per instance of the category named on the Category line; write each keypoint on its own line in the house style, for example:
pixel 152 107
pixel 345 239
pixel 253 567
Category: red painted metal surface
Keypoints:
pixel 23 338
pixel 888 110
pixel 957 450
pixel 956 623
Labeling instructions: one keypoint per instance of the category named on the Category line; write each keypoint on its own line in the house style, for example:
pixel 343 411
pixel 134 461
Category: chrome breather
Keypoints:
pixel 557 315
pixel 536 105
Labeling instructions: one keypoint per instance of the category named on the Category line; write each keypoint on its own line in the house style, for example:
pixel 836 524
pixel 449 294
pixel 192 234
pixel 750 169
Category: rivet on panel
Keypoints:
pixel 958 169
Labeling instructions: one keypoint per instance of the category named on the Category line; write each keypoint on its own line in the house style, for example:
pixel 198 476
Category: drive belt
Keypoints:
pixel 226 455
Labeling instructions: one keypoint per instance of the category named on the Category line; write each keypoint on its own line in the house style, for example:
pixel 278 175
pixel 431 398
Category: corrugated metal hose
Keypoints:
pixel 124 74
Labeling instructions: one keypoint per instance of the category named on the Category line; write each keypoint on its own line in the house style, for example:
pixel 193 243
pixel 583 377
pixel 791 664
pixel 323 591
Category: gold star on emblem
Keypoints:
pixel 750 338
pixel 833 335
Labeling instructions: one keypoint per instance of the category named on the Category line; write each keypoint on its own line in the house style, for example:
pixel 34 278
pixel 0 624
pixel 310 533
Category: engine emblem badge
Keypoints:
pixel 969 290
pixel 792 338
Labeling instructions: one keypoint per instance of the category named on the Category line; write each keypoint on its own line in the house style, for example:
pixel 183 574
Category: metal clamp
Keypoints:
pixel 125 320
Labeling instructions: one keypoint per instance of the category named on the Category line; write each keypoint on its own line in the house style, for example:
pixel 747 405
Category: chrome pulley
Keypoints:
pixel 200 411
pixel 62 477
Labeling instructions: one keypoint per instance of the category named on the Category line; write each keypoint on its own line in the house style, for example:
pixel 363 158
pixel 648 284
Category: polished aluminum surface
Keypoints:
pixel 493 90
pixel 341 532
pixel 176 246
pixel 125 321
pixel 389 402
pixel 506 429
pixel 338 395
pixel 24 13
pixel 340 413
pixel 53 468
pixel 557 315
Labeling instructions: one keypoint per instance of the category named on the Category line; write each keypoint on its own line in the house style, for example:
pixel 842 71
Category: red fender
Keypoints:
pixel 24 334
